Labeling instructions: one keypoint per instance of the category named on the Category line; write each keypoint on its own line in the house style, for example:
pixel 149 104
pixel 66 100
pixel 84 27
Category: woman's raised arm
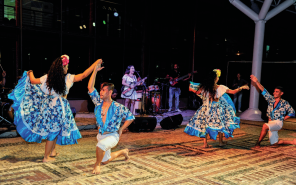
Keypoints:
pixel 87 72
pixel 32 78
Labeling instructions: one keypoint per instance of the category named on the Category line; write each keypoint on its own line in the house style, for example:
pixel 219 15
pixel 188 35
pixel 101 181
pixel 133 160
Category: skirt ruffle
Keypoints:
pixel 221 118
pixel 39 116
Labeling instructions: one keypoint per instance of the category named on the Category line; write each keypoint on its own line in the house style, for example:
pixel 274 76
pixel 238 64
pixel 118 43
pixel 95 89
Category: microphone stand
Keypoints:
pixel 143 100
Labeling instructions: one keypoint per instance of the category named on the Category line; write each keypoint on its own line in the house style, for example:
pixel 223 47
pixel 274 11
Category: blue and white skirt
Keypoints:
pixel 220 118
pixel 40 116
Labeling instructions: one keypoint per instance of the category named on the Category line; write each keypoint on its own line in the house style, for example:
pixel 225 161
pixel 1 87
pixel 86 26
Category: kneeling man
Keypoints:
pixel 278 110
pixel 108 114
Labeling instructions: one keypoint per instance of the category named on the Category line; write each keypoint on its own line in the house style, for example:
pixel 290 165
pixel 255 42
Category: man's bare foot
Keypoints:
pixel 125 153
pixel 207 146
pixel 97 169
pixel 48 159
pixel 280 142
pixel 257 146
pixel 223 143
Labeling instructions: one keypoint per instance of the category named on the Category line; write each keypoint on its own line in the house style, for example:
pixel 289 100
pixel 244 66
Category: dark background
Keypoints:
pixel 151 35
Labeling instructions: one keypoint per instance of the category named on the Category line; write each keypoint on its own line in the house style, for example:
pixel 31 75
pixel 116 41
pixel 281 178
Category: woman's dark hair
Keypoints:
pixel 56 77
pixel 127 71
pixel 208 84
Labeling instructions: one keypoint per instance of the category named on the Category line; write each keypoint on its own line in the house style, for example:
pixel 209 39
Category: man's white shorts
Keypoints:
pixel 274 127
pixel 106 142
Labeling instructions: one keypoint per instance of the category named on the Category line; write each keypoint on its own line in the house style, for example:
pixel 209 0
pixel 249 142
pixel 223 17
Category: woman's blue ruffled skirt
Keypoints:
pixel 221 118
pixel 40 116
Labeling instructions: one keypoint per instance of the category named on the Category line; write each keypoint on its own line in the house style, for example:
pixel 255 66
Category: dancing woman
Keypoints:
pixel 41 109
pixel 217 114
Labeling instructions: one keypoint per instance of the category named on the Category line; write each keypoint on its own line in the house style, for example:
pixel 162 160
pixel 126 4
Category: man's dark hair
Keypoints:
pixel 109 85
pixel 280 88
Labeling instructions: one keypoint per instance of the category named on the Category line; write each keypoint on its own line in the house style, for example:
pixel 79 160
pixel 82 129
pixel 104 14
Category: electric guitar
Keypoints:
pixel 174 81
pixel 128 89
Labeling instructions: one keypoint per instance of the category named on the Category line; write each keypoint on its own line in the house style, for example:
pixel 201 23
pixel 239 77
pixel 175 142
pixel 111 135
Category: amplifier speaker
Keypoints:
pixel 143 124
pixel 171 122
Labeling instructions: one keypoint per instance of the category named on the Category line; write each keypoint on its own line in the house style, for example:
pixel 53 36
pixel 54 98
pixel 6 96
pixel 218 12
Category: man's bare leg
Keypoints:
pixel 263 133
pixel 114 155
pixel 221 143
pixel 286 142
pixel 100 154
pixel 48 149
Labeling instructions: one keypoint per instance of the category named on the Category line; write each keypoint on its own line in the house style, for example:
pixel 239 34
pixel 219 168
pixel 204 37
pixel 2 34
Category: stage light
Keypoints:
pixel 29 54
pixel 237 53
pixel 94 24
pixel 80 27
pixel 104 22
pixel 45 58
pixel 115 14
pixel 267 47
pixel 84 26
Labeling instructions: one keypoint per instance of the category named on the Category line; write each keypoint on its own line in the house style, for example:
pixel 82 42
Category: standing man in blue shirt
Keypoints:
pixel 278 110
pixel 108 114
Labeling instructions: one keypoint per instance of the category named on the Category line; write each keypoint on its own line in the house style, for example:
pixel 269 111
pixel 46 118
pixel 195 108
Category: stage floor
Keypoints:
pixel 158 157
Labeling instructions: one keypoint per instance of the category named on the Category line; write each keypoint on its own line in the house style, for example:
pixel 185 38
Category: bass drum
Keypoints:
pixel 7 111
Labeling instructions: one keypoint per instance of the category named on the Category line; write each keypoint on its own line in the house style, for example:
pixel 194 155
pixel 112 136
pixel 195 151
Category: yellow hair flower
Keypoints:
pixel 218 72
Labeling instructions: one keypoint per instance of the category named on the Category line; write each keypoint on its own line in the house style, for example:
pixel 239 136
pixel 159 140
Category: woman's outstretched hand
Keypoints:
pixel 245 87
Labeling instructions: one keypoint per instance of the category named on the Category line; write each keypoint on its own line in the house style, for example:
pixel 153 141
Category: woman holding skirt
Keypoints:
pixel 41 110
pixel 217 113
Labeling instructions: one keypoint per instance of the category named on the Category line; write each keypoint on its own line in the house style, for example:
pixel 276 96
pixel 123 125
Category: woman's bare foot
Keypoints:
pixel 125 153
pixel 97 169
pixel 207 146
pixel 223 143
pixel 54 154
pixel 48 159
pixel 57 154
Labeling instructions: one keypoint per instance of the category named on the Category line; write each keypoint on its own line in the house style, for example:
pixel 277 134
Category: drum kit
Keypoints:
pixel 6 111
pixel 150 98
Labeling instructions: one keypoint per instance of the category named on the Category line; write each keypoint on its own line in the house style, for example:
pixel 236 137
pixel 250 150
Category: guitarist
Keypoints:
pixel 175 88
pixel 128 81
